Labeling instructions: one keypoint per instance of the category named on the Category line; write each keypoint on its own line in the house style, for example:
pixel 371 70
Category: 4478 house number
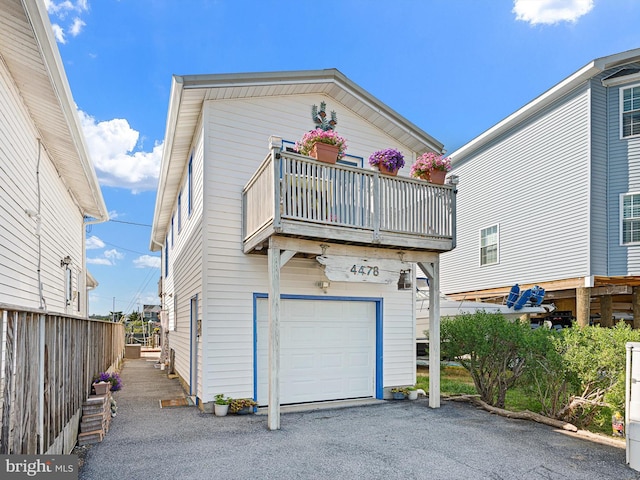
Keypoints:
pixel 368 270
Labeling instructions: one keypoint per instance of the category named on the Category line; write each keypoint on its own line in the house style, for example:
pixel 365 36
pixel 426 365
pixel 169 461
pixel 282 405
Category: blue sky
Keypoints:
pixel 452 67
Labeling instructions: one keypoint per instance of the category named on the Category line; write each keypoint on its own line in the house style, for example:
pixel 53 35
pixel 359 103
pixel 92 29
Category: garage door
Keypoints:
pixel 327 350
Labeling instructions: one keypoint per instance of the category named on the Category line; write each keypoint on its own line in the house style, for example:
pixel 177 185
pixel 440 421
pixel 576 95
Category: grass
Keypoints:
pixel 457 381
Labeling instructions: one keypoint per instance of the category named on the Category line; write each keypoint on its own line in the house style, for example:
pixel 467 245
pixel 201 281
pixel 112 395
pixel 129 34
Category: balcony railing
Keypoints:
pixel 291 194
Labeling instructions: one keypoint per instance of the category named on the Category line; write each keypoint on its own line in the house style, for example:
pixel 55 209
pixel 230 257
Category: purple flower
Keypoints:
pixel 390 158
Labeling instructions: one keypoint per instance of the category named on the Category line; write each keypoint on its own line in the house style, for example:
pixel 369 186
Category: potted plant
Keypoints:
pixel 107 381
pixel 323 145
pixel 431 167
pixel 242 406
pixel 412 392
pixel 399 393
pixel 388 161
pixel 221 405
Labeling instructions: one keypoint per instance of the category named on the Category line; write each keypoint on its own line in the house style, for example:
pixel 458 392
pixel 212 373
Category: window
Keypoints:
pixel 190 185
pixel 166 257
pixel 630 216
pixel 175 311
pixel 68 285
pixel 179 211
pixel 630 111
pixel 171 230
pixel 489 245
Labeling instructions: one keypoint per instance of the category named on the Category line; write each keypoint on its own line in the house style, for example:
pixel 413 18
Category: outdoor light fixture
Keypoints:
pixel 453 179
pixel 324 285
pixel 66 261
pixel 404 283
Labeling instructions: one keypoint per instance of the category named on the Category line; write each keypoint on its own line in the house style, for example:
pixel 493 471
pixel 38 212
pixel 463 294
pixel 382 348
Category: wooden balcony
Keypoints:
pixel 297 196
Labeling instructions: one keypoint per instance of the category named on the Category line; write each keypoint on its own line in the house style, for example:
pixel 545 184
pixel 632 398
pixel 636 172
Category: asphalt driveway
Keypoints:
pixel 390 440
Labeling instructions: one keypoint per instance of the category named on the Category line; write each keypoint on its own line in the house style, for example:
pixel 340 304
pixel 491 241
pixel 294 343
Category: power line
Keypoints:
pixel 131 223
pixel 129 250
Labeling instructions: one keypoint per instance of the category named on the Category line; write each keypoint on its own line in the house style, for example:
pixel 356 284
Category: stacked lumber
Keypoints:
pixel 96 416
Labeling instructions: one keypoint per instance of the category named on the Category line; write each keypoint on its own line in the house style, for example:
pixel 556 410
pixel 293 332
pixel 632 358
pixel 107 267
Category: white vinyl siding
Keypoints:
pixel 489 245
pixel 61 230
pixel 630 111
pixel 630 216
pixel 236 139
pixel 523 181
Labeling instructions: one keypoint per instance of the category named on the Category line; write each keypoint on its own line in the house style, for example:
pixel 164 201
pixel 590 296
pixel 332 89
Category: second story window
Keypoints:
pixel 489 238
pixel 630 218
pixel 180 211
pixel 630 111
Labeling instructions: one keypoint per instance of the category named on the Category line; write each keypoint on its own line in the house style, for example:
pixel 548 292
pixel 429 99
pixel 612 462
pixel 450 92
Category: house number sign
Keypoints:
pixel 339 268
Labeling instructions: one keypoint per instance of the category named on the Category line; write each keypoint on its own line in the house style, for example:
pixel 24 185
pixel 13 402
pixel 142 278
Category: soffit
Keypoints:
pixel 29 51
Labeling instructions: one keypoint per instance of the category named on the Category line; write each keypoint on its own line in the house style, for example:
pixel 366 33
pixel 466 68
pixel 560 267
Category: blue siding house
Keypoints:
pixel 551 197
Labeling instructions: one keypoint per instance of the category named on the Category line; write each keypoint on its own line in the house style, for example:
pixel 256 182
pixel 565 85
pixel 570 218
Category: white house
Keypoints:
pixel 552 197
pixel 280 273
pixel 49 190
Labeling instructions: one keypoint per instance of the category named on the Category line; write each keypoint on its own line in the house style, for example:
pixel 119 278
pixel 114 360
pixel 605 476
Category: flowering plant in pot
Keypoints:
pixel 399 393
pixel 432 167
pixel 307 145
pixel 111 378
pixel 221 405
pixel 388 161
pixel 242 405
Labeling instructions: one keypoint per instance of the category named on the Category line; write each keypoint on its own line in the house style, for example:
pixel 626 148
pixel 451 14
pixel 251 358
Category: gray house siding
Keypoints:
pixel 533 181
pixel 624 177
pixel 599 176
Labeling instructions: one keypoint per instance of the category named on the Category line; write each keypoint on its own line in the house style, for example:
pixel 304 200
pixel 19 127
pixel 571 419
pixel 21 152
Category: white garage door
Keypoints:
pixel 327 350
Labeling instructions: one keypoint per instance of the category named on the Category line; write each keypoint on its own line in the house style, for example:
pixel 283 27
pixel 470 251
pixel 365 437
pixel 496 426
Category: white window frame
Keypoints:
pixel 622 219
pixel 480 238
pixel 622 112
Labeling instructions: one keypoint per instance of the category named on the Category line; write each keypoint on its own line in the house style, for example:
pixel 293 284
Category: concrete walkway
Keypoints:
pixel 403 439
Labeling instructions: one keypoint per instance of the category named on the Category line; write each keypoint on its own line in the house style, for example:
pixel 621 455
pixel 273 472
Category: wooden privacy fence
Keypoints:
pixel 48 362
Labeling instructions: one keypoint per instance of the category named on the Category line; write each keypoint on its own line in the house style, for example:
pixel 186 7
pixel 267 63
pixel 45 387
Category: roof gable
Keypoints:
pixel 190 91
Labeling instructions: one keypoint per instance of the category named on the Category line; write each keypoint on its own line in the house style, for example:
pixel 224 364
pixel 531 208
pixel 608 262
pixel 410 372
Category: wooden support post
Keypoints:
pixel 273 410
pixel 583 299
pixel 433 272
pixel 635 301
pixel 606 311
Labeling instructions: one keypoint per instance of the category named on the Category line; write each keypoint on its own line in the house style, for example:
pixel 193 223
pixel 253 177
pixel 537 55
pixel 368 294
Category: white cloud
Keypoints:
pixel 76 27
pixel 111 144
pixel 93 243
pixel 58 32
pixel 147 261
pixel 109 256
pixel 551 11
pixel 113 214
pixel 113 254
pixel 99 261
pixel 59 12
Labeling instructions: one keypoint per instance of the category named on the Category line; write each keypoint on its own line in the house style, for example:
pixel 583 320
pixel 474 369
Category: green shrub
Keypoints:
pixel 492 348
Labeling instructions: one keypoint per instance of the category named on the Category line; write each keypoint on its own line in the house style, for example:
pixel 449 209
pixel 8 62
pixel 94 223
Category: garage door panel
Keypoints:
pixel 327 350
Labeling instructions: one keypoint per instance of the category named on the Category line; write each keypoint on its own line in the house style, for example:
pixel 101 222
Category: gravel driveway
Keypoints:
pixel 402 439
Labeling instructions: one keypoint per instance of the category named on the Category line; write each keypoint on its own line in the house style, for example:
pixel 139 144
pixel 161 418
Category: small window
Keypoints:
pixel 175 311
pixel 172 231
pixel 630 216
pixel 630 111
pixel 180 211
pixel 68 285
pixel 166 257
pixel 190 185
pixel 489 245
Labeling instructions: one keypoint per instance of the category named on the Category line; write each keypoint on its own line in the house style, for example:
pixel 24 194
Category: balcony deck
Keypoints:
pixel 294 195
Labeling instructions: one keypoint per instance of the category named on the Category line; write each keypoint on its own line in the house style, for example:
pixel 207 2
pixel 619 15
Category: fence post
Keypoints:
pixel 41 328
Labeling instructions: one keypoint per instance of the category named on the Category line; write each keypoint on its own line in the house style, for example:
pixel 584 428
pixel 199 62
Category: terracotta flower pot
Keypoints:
pixel 101 387
pixel 386 171
pixel 437 177
pixel 324 152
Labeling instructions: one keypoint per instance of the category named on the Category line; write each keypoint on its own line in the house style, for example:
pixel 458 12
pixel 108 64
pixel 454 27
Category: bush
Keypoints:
pixel 595 360
pixel 493 349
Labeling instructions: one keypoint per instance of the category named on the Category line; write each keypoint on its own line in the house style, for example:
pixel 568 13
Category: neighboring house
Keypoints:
pixel 49 191
pixel 151 313
pixel 244 224
pixel 552 197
